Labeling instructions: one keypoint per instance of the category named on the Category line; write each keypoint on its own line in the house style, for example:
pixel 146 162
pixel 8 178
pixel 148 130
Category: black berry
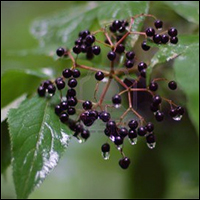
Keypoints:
pixel 96 50
pixel 64 105
pixel 76 73
pixel 120 48
pixel 87 105
pixel 154 108
pixel 78 42
pixel 116 24
pixel 46 83
pixel 133 124
pixel 157 38
pixel 159 116
pixel 71 111
pixel 150 32
pixel 60 52
pixel 172 85
pixel 158 24
pixel 67 73
pixel 156 100
pixel 153 86
pixel 77 49
pixel 150 127
pixel 111 55
pixel 105 148
pixel 123 132
pixel 71 93
pixel 130 55
pixel 64 117
pixel 165 39
pixel 99 76
pixel 143 73
pixel 132 133
pixel 83 34
pixel 72 101
pixel 151 138
pixel 104 116
pixel 72 82
pixel 173 112
pixel 51 89
pixel 174 40
pixel 142 131
pixel 116 99
pixel 83 48
pixel 124 163
pixel 122 29
pixel 172 32
pixel 118 140
pixel 141 66
pixel 129 64
pixel 41 91
pixel 58 109
pixel 144 46
pixel 85 134
pixel 180 110
pixel 60 85
pixel 90 39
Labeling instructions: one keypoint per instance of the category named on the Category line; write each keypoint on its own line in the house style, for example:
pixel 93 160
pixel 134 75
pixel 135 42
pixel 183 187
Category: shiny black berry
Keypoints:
pixel 96 50
pixel 72 101
pixel 153 86
pixel 122 29
pixel 67 73
pixel 78 42
pixel 85 134
pixel 104 116
pixel 76 73
pixel 111 126
pixel 118 140
pixel 123 132
pixel 60 52
pixel 111 55
pixel 174 40
pixel 142 131
pixel 129 64
pixel 83 48
pixel 180 110
pixel 58 109
pixel 72 83
pixel 51 89
pixel 116 99
pixel 141 66
pixel 154 108
pixel 89 39
pixel 99 76
pixel 143 73
pixel 150 32
pixel 120 48
pixel 71 93
pixel 165 39
pixel 64 105
pixel 46 83
pixel 124 163
pixel 132 133
pixel 130 55
pixel 77 49
pixel 150 127
pixel 159 116
pixel 133 124
pixel 173 112
pixel 105 148
pixel 157 38
pixel 172 85
pixel 71 111
pixel 112 29
pixel 60 85
pixel 144 46
pixel 158 24
pixel 151 138
pixel 116 24
pixel 84 33
pixel 64 117
pixel 41 91
pixel 156 100
pixel 87 105
pixel 172 32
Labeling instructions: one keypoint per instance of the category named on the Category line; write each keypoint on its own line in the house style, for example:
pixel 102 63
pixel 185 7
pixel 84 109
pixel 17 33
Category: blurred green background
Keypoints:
pixel 171 170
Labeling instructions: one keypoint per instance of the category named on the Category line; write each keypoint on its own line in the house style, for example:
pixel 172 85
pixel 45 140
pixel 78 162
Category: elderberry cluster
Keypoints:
pixel 116 130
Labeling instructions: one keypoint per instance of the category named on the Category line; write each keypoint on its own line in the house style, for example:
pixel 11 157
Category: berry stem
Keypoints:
pixel 106 73
pixel 108 38
pixel 169 101
pixel 121 40
pixel 119 81
pixel 107 45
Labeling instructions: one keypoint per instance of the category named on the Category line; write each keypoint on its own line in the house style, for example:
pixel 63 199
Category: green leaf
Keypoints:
pixel 5 147
pixel 59 30
pixel 187 9
pixel 186 67
pixel 38 140
pixel 16 82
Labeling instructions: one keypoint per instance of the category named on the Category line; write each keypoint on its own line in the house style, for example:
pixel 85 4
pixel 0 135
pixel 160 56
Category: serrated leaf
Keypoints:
pixel 187 9
pixel 38 140
pixel 5 147
pixel 16 82
pixel 59 30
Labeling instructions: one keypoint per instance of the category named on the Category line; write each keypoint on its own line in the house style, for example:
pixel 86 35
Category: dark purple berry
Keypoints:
pixel 142 131
pixel 64 105
pixel 112 29
pixel 159 116
pixel 72 101
pixel 172 85
pixel 105 148
pixel 118 140
pixel 111 55
pixel 123 132
pixel 174 40
pixel 77 49
pixel 141 66
pixel 89 55
pixel 124 163
pixel 157 38
pixel 150 127
pixel 71 93
pixel 51 89
pixel 58 109
pixel 151 138
pixel 104 116
pixel 120 48
pixel 116 24
pixel 116 99
pixel 111 126
pixel 83 34
pixel 172 32
pixel 71 111
pixel 180 110
pixel 165 39
pixel 89 39
pixel 83 48
pixel 76 73
pixel 158 24
pixel 46 83
pixel 150 32
pixel 153 86
pixel 133 124
pixel 72 83
pixel 85 134
pixel 60 85
pixel 99 76
pixel 144 46
pixel 107 132
pixel 122 29
pixel 41 91
pixel 78 42
pixel 87 105
pixel 132 133
pixel 143 73
pixel 67 73
pixel 94 114
pixel 154 108
pixel 96 50
pixel 64 117
pixel 130 55
pixel 173 112
pixel 156 100
pixel 129 64
pixel 60 52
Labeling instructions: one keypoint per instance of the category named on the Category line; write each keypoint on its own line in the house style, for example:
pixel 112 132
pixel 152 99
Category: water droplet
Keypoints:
pixel 117 105
pixel 119 147
pixel 105 80
pixel 151 145
pixel 177 117
pixel 81 140
pixel 51 95
pixel 133 141
pixel 106 155
pixel 112 138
